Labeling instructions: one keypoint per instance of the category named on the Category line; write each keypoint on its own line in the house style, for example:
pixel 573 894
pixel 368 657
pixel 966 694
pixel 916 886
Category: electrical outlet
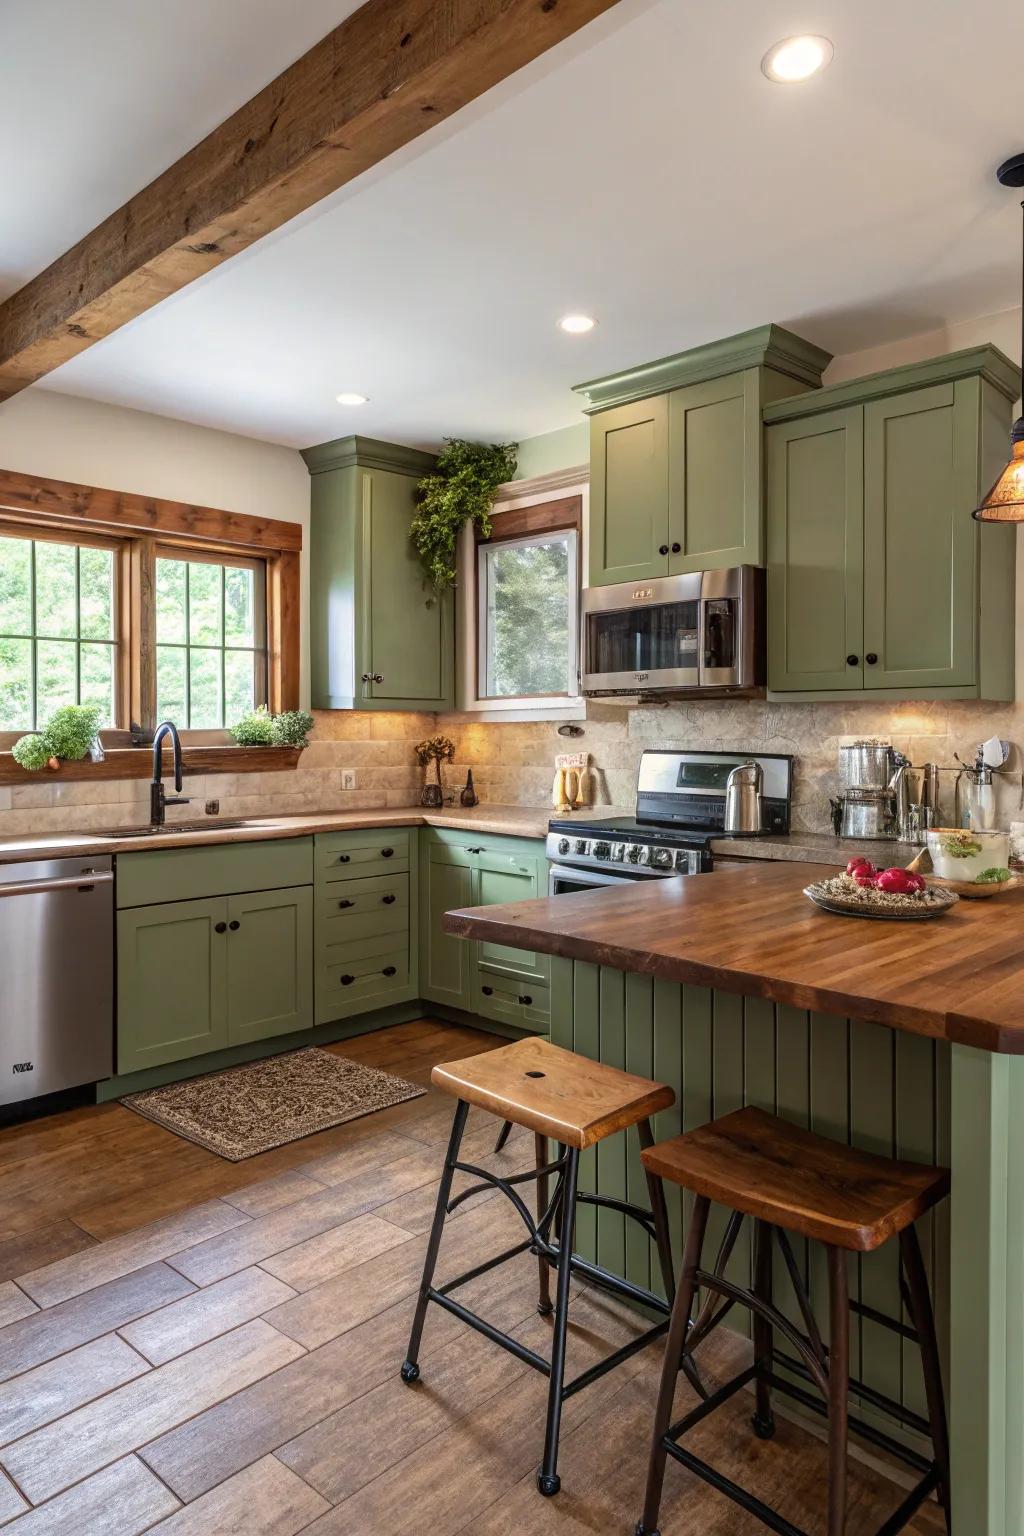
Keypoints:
pixel 212 807
pixel 348 778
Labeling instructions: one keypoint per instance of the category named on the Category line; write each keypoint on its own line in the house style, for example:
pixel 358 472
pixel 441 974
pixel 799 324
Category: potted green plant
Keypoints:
pixel 460 490
pixel 69 735
pixel 259 728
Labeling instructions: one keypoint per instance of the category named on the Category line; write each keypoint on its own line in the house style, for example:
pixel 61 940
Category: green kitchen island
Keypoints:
pixel 903 1038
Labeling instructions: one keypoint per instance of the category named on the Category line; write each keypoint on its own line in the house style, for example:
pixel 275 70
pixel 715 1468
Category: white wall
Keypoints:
pixel 65 438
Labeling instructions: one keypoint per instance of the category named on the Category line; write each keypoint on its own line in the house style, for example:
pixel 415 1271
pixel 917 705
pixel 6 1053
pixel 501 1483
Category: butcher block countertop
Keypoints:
pixel 748 928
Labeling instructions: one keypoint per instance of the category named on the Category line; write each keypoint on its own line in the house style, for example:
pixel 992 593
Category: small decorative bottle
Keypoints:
pixel 469 794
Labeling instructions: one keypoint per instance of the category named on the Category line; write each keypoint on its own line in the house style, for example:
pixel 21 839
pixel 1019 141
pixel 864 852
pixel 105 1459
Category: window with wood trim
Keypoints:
pixel 60 628
pixel 151 609
pixel 211 638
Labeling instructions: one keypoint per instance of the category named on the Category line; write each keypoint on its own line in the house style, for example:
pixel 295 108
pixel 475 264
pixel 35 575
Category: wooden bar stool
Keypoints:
pixel 577 1103
pixel 789 1180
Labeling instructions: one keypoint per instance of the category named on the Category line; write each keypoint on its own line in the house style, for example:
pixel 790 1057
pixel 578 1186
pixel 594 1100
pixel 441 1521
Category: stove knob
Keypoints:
pixel 618 852
pixel 581 845
pixel 684 861
pixel 661 858
pixel 602 850
pixel 563 845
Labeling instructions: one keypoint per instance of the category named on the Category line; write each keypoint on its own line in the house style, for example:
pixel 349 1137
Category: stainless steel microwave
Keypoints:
pixel 702 633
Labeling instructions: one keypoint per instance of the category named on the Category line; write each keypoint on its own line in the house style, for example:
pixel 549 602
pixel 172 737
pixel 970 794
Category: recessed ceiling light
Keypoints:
pixel 796 58
pixel 349 397
pixel 577 325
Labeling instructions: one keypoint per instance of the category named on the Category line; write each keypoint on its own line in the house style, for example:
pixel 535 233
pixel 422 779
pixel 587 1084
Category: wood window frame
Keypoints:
pixel 137 527
pixel 560 514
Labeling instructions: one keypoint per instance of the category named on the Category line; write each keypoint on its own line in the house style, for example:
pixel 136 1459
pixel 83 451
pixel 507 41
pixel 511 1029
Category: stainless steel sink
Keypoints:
pixel 171 828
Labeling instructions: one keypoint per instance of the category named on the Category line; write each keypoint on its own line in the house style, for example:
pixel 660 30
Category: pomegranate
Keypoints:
pixel 865 877
pixel 860 865
pixel 897 882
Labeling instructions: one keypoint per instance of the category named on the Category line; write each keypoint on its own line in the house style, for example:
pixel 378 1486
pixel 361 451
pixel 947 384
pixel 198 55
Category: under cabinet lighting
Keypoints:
pixel 796 58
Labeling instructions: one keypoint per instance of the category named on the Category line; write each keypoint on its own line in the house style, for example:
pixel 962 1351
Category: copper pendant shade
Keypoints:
pixel 1005 501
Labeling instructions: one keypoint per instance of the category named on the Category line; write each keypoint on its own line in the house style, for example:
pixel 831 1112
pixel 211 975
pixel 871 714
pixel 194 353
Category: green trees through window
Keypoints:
pixel 58 631
pixel 211 658
pixel 527 610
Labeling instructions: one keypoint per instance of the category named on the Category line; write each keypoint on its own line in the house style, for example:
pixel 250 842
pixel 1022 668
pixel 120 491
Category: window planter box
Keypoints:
pixel 137 763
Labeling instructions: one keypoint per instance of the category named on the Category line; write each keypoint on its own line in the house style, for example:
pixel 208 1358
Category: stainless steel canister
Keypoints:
pixel 865 765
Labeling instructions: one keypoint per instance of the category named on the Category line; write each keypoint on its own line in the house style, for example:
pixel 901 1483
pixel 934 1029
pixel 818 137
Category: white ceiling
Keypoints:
pixel 644 171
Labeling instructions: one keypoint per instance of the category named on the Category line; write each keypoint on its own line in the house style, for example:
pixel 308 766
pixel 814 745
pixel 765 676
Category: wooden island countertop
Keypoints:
pixel 749 929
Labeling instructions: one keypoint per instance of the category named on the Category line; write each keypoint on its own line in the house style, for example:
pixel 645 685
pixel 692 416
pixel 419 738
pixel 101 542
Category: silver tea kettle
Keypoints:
pixel 743 794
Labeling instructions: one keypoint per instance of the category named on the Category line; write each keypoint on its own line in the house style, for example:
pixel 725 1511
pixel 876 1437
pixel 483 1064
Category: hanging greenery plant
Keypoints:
pixel 460 490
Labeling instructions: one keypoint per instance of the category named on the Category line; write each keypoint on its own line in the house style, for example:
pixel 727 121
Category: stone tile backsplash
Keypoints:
pixel 513 764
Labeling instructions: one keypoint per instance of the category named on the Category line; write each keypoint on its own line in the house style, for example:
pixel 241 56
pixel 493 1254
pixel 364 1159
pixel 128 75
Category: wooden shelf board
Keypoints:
pixel 137 763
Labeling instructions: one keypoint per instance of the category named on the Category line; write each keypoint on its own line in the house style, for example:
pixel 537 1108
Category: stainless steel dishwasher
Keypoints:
pixel 56 975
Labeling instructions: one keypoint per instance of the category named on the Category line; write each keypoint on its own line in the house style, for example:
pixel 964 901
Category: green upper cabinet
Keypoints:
pixel 815 479
pixel 675 469
pixel 629 492
pixel 879 580
pixel 380 637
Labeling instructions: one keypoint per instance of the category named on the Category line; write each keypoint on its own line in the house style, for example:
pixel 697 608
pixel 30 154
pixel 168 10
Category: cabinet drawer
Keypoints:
pixel 527 1006
pixel 355 855
pixel 381 895
pixel 348 976
pixel 361 947
pixel 181 874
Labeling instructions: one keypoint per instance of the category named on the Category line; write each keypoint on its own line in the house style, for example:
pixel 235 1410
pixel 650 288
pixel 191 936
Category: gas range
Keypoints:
pixel 628 847
pixel 680 809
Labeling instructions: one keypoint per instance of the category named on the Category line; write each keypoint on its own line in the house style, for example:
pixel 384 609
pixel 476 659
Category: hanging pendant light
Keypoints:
pixel 1005 501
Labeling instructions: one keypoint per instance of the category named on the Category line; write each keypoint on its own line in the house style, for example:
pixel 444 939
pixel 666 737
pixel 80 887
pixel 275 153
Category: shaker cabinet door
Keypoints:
pixel 629 492
pixel 446 963
pixel 920 484
pixel 815 553
pixel 407 652
pixel 171 982
pixel 270 963
pixel 714 474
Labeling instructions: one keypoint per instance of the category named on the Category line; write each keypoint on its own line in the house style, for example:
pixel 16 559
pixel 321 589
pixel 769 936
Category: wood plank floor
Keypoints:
pixel 198 1347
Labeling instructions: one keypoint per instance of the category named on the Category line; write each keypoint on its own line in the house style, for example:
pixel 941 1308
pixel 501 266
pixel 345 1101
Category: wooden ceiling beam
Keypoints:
pixel 378 81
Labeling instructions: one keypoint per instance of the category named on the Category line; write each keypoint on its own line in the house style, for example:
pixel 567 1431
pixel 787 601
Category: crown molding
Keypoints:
pixel 986 362
pixel 542 485
pixel 368 453
pixel 767 346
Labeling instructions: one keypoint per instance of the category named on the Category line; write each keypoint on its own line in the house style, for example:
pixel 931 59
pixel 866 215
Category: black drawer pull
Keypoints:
pixel 234 925
pixel 851 660
pixel 662 549
pixel 387 900
pixel 386 853
pixel 344 858
pixel 677 549
pixel 220 927
pixel 487 991
pixel 526 1001
pixel 346 903
pixel 389 970
pixel 871 658
pixel 347 981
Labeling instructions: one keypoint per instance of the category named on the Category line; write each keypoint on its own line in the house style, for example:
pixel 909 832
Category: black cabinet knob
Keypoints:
pixel 347 981
pixel 662 549
pixel 487 991
pixel 387 900
pixel 871 658
pixel 851 661
pixel 389 970
pixel 344 858
pixel 677 549
pixel 346 903
pixel 234 925
pixel 220 927
pixel 387 853
pixel 526 1001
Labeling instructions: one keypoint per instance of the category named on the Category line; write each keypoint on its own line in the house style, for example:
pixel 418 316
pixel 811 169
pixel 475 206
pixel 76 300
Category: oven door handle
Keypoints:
pixel 85 881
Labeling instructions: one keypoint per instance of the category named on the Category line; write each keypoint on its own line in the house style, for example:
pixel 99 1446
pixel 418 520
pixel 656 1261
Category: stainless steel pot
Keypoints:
pixel 868 813
pixel 865 765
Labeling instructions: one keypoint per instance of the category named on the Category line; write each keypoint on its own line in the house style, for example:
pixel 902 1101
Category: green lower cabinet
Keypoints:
pixel 172 982
pixel 270 964
pixel 367 886
pixel 495 981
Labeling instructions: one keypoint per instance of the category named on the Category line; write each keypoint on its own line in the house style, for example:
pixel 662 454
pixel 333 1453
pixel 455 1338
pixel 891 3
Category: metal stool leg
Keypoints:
pixel 503 1136
pixel 410 1367
pixel 544 1293
pixel 838 1388
pixel 659 1210
pixel 923 1320
pixel 676 1343
pixel 763 1419
pixel 547 1479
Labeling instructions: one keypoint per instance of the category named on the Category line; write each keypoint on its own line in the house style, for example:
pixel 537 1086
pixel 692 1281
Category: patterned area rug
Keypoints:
pixel 250 1109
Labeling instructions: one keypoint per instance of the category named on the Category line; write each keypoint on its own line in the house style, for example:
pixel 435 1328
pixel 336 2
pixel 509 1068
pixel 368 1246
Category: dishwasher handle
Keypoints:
pixel 86 880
